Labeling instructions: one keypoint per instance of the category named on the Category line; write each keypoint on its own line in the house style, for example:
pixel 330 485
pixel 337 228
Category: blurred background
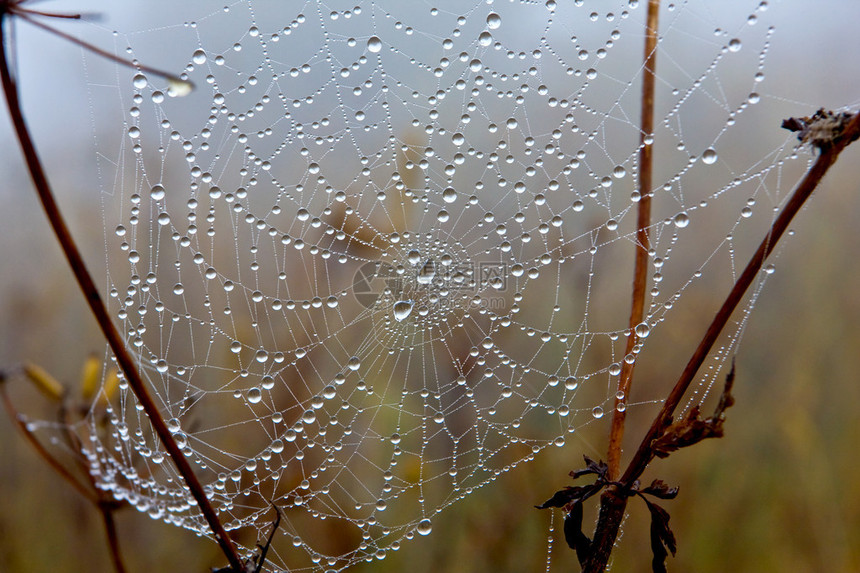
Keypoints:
pixel 779 493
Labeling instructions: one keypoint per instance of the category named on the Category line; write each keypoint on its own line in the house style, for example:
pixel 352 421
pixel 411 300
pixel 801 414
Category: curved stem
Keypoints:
pixel 613 501
pixel 91 293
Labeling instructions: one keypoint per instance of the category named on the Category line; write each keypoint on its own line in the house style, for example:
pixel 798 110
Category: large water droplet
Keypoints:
pixel 681 220
pixel 374 44
pixel 709 157
pixel 449 195
pixel 255 395
pixel 643 330
pixel 198 57
pixel 427 273
pixel 177 87
pixel 424 527
pixel 493 20
pixel 402 309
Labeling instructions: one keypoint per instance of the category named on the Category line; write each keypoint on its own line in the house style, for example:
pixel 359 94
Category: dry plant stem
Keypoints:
pixel 85 281
pixel 25 15
pixel 614 500
pixel 113 540
pixel 43 453
pixel 643 241
pixel 105 505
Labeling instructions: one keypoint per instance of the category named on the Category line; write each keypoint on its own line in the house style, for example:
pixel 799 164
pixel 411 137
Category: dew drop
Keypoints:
pixel 402 309
pixel 139 81
pixel 619 171
pixel 177 87
pixel 735 45
pixel 198 57
pixel 374 44
pixel 643 330
pixel 427 273
pixel 681 220
pixel 255 395
pixel 493 21
pixel 449 195
pixel 442 216
pixel 424 527
pixel 485 39
pixel 354 363
pixel 709 157
pixel 157 192
pixel 597 412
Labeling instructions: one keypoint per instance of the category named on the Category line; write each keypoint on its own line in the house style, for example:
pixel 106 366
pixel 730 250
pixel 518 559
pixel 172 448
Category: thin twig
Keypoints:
pixel 614 500
pixel 43 453
pixel 98 51
pixel 113 539
pixel 91 293
pixel 643 241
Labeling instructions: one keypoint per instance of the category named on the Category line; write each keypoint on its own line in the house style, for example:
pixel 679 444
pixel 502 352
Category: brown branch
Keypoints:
pixel 643 241
pixel 97 307
pixel 614 499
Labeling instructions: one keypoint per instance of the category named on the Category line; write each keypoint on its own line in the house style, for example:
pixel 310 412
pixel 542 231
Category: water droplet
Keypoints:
pixel 198 57
pixel 681 220
pixel 643 330
pixel 374 44
pixel 735 45
pixel 746 212
pixel 449 195
pixel 427 273
pixel 139 81
pixel 619 171
pixel 255 395
pixel 442 216
pixel 424 527
pixel 177 87
pixel 402 309
pixel 709 157
pixel 597 412
pixel 614 369
pixel 493 21
pixel 261 356
pixel 354 363
pixel 485 39
pixel 157 192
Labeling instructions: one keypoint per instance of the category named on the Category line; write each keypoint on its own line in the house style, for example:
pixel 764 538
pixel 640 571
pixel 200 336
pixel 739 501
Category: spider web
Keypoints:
pixel 381 254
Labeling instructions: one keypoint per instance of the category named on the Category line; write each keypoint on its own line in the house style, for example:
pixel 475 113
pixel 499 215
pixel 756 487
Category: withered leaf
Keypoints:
pixel 591 467
pixel 661 489
pixel 662 537
pixel 571 494
pixel 574 536
pixel 692 429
